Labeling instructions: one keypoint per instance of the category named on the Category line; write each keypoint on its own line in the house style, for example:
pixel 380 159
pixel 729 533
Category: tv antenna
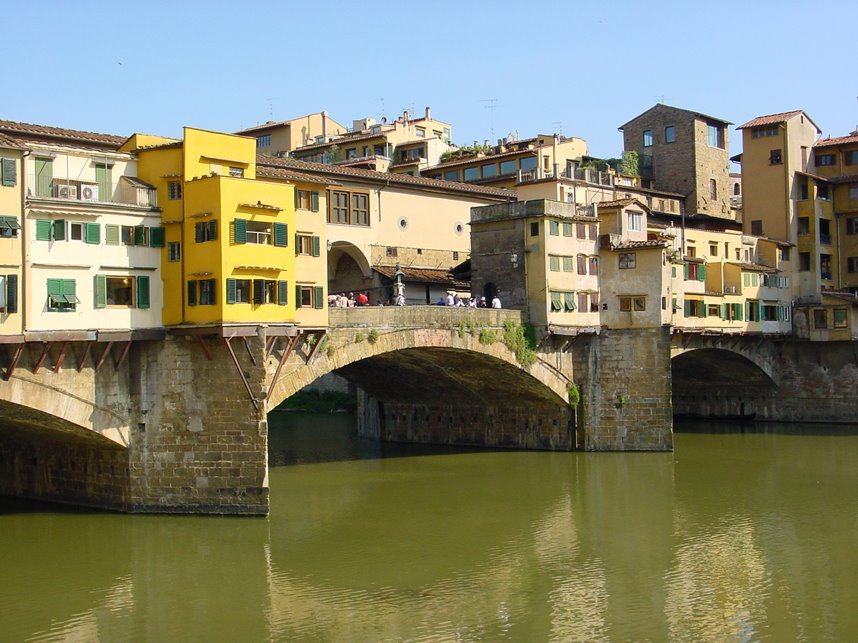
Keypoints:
pixel 558 127
pixel 492 104
pixel 270 109
pixel 381 100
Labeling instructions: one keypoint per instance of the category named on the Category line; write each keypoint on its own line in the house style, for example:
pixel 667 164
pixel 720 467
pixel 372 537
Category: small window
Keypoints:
pixel 236 172
pixel 803 225
pixel 825 160
pixel 534 229
pixel 9 227
pixel 263 141
pixel 669 134
pixel 174 251
pixel 715 136
pixel 509 167
pixel 850 157
pixel 820 318
pixel 632 304
pixel 174 190
pixel 554 263
pixel 567 229
pixel 204 231
pixel 472 173
pixel 804 261
pixel 451 175
pixel 713 189
pixel 635 220
pixel 713 249
pixel 9 172
pixel 420 132
pixel 757 227
pixel 853 193
pixel 647 138
pixel 568 264
pixel 489 170
pixel 628 260
pixel 775 157
pixel 840 317
pixel 554 228
pixel 208 289
pixel 852 225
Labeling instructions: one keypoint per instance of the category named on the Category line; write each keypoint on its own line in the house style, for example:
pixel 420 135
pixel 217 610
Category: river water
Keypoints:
pixel 735 536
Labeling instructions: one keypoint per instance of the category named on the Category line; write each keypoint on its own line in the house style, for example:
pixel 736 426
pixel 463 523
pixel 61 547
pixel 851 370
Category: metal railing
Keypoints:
pixel 120 192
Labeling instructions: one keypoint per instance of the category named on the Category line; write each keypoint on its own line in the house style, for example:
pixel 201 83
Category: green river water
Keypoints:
pixel 735 536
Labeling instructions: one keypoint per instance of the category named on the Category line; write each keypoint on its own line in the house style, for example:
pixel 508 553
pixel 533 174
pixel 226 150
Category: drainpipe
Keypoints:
pixel 25 273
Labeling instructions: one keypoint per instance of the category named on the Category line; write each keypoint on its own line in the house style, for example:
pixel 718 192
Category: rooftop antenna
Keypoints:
pixel 492 104
pixel 661 99
pixel 383 114
pixel 558 127
pixel 270 109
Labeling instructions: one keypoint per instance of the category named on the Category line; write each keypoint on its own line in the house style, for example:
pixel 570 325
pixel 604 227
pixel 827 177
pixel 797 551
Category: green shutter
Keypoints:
pixel 723 311
pixel 211 229
pixel 240 228
pixel 105 182
pixel 44 176
pixel 111 234
pixel 192 293
pixel 199 231
pixel 297 243
pixel 143 291
pixel 156 237
pixel 314 201
pixel 738 309
pixel 701 272
pixel 755 279
pixel 297 296
pixel 281 235
pixel 43 229
pixel 569 301
pixel 92 233
pixel 10 173
pixel 685 267
pixel 780 312
pixel 11 293
pixel 59 229
pixel 230 291
pixel 139 235
pixel 318 297
pixel 258 291
pixel 746 279
pixel 317 246
pixel 687 310
pixel 282 292
pixel 100 291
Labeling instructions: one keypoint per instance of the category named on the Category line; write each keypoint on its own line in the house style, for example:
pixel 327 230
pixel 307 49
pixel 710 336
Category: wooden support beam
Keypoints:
pixel 241 372
pixel 86 353
pixel 103 356
pixel 290 346
pixel 61 357
pixel 249 353
pixel 202 342
pixel 11 369
pixel 123 356
pixel 46 346
pixel 269 344
pixel 319 335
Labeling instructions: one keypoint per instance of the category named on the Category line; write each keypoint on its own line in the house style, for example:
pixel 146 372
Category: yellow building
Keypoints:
pixel 273 139
pixel 11 248
pixel 230 255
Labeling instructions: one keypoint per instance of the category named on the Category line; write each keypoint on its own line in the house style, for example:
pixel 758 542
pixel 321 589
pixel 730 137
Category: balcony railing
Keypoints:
pixel 825 238
pixel 120 192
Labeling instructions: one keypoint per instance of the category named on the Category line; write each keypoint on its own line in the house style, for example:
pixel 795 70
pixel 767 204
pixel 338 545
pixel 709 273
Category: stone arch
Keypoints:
pixel 32 404
pixel 348 267
pixel 441 350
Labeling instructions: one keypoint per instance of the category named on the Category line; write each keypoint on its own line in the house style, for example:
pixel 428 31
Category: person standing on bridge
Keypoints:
pixel 496 302
pixel 400 299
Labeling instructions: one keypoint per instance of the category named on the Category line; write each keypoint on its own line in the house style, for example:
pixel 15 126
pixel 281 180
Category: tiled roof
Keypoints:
pixel 161 146
pixel 280 173
pixel 839 140
pixel 270 124
pixel 846 178
pixel 662 106
pixel 9 142
pixel 620 203
pixel 422 275
pixel 771 119
pixel 385 177
pixel 639 245
pixel 31 132
pixel 479 159
pixel 753 267
pixel 345 139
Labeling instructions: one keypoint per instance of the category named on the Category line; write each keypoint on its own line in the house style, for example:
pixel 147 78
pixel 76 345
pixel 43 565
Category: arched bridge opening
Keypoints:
pixel 718 383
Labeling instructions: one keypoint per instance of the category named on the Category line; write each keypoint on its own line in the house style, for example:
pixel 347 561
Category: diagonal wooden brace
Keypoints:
pixel 241 373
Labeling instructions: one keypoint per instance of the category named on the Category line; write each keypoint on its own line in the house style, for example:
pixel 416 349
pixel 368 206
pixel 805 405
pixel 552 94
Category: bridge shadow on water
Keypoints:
pixel 756 427
pixel 309 438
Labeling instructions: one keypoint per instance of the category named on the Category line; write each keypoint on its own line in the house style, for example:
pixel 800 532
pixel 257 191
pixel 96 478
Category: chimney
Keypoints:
pixel 428 114
pixel 325 125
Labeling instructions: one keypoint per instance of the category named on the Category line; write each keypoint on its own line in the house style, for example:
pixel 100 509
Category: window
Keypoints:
pixel 804 261
pixel 567 229
pixel 568 264
pixel 174 190
pixel 823 191
pixel 104 179
pixel 852 225
pixel 44 176
pixel 715 136
pixel 803 190
pixel 9 293
pixel 236 172
pixel 489 170
pixel 351 153
pixel 820 318
pixel 554 263
pixel 771 312
pixel 309 296
pixel 737 189
pixel 309 245
pixel 420 132
pixel 853 193
pixel 528 163
pixel 647 138
pixel 628 260
pixel 669 134
pixel 204 231
pixel 339 208
pixel 594 265
pixel 757 227
pixel 554 228
pixel 120 291
pixel 593 231
pixel 263 141
pixel 208 287
pixel 849 158
pixel 635 220
pixel 451 175
pixel 472 173
pixel 594 302
pixel 61 295
pixel 692 271
pixel 753 311
pixel 50 229
pixel 9 227
pixel 803 225
pixel 713 189
pixel 534 229
pixel 784 254
pixel 825 266
pixel 508 167
pixel 360 209
pixel 825 231
pixel 174 251
pixel 238 291
pixel 582 264
pixel 775 157
pixel 634 303
pixel 8 172
pixel 86 232
pixel 713 249
pixel 111 234
pixel 764 131
pixel 840 317
pixel 824 160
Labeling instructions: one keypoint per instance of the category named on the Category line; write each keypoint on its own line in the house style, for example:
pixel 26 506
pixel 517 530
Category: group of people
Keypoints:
pixel 350 300
pixel 454 299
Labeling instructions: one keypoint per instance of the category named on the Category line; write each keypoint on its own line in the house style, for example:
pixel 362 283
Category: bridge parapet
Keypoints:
pixel 421 317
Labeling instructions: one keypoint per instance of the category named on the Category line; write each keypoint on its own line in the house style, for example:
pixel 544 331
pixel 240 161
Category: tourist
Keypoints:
pixel 362 299
pixel 400 299
pixel 496 302
pixel 482 303
pixel 450 301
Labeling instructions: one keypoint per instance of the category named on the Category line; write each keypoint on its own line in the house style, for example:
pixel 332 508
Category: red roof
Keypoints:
pixel 771 119
pixel 9 142
pixel 31 132
pixel 839 140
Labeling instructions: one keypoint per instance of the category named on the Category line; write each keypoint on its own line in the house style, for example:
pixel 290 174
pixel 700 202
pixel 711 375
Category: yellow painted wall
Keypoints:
pixel 10 247
pixel 206 152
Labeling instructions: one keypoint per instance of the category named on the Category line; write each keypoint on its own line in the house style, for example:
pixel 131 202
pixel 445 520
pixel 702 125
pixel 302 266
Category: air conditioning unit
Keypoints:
pixel 89 193
pixel 729 290
pixel 65 191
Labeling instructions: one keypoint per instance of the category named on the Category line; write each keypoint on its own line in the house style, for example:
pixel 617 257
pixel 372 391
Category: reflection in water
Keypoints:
pixel 735 536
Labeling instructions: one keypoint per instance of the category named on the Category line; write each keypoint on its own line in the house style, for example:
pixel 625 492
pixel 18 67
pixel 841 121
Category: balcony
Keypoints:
pixel 127 191
pixel 825 239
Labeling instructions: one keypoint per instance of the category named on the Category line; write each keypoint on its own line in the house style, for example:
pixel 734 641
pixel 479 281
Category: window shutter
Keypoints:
pixel 111 234
pixel 69 287
pixel 297 296
pixel 687 307
pixel 100 291
pixel 297 243
pixel 10 173
pixel 282 292
pixel 93 233
pixel 11 293
pixel 314 201
pixel 192 293
pixel 318 297
pixel 281 235
pixel 200 231
pixel 211 228
pixel 43 230
pixel 780 313
pixel 59 229
pixel 685 269
pixel 230 291
pixel 316 246
pixel 240 230
pixel 569 301
pixel 143 291
pixel 258 291
pixel 724 311
pixel 701 273
pixel 156 237
pixel 139 235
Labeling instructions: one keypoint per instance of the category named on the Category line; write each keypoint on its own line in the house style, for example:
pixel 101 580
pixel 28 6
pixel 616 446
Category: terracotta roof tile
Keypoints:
pixel 480 159
pixel 632 245
pixel 9 142
pixel 280 173
pixel 771 119
pixel 386 177
pixel 31 132
pixel 839 140
pixel 846 178
pixel 620 203
pixel 423 275
pixel 753 267
pixel 345 139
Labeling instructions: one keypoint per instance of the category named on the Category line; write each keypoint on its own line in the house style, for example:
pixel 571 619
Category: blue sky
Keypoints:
pixel 489 68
